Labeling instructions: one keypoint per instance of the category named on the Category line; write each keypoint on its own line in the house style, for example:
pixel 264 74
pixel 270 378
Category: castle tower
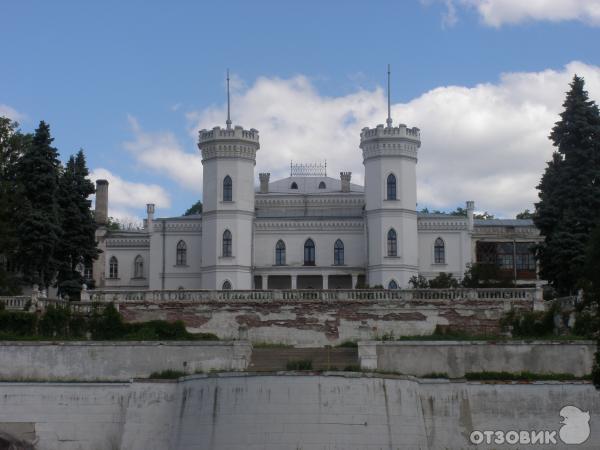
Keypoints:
pixel 390 160
pixel 228 159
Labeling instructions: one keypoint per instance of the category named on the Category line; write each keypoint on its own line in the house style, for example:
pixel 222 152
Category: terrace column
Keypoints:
pixel 294 281
pixel 265 281
pixel 325 281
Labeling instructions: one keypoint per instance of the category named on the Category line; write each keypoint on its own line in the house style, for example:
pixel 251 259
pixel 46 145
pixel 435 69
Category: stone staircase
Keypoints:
pixel 276 359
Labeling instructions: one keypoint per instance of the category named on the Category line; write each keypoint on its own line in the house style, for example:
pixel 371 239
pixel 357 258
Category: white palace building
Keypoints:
pixel 307 231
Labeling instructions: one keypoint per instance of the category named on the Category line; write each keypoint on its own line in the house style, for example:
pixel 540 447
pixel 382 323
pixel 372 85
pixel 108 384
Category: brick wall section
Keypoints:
pixel 316 323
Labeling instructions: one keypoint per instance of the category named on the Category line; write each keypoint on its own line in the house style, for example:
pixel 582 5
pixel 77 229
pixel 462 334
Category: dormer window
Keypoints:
pixel 294 185
pixel 322 185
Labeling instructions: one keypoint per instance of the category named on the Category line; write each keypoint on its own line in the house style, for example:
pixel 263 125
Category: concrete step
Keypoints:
pixel 275 359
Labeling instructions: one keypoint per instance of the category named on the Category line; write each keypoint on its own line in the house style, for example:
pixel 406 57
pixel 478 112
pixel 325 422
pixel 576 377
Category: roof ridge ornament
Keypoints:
pixel 317 169
pixel 389 117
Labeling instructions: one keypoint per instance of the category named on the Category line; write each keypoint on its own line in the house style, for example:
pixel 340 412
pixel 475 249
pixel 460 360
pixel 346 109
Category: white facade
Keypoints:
pixel 300 232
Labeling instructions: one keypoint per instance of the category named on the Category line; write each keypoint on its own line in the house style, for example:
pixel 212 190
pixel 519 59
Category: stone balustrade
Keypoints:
pixel 121 296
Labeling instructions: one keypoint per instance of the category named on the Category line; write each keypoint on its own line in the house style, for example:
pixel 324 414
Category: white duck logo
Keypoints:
pixel 576 427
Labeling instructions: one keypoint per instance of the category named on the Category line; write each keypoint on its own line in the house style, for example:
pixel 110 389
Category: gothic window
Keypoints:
pixel 439 251
pixel 309 253
pixel 338 253
pixel 88 273
pixel 391 187
pixel 181 259
pixel 322 185
pixel 226 285
pixel 294 185
pixel 392 243
pixel 113 268
pixel 280 253
pixel 227 189
pixel 227 243
pixel 393 285
pixel 138 267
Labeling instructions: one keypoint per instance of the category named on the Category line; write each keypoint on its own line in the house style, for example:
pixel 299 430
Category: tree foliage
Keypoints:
pixel 196 208
pixel 38 216
pixel 526 214
pixel 569 191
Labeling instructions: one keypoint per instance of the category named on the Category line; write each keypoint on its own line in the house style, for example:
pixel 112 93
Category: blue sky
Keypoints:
pixel 131 82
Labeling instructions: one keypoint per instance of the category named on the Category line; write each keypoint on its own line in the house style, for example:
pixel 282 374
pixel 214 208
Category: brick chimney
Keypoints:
pixel 101 213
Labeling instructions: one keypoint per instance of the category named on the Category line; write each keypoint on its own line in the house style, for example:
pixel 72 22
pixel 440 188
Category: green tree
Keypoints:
pixel 38 221
pixel 12 144
pixel 525 215
pixel 78 243
pixel 569 191
pixel 196 208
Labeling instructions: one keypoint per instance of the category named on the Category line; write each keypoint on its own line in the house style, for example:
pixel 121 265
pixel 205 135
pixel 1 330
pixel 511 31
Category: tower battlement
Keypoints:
pixel 218 133
pixel 383 132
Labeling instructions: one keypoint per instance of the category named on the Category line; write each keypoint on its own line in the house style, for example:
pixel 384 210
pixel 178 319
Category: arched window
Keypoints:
pixel 294 185
pixel 280 253
pixel 391 187
pixel 181 259
pixel 309 253
pixel 113 268
pixel 392 243
pixel 227 189
pixel 439 251
pixel 226 285
pixel 227 240
pixel 138 267
pixel 338 253
pixel 393 285
pixel 322 185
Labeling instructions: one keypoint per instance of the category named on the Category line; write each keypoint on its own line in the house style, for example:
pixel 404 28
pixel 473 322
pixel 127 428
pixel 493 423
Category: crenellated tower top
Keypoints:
pixel 228 142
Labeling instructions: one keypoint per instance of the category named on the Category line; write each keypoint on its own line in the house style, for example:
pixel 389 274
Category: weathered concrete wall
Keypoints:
pixel 320 322
pixel 305 412
pixel 114 361
pixel 456 358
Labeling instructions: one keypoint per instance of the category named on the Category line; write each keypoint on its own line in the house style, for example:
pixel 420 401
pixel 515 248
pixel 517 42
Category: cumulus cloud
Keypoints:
pixel 161 152
pixel 11 113
pixel 488 142
pixel 496 13
pixel 126 198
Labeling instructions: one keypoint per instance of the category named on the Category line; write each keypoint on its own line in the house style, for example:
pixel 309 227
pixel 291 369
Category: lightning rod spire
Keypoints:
pixel 389 118
pixel 228 121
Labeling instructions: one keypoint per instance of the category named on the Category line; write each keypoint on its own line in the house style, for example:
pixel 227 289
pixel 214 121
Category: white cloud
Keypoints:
pixel 126 198
pixel 488 142
pixel 161 152
pixel 11 113
pixel 499 12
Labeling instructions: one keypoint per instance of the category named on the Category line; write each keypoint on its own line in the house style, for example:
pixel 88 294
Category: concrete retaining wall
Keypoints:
pixel 326 322
pixel 114 361
pixel 456 358
pixel 305 412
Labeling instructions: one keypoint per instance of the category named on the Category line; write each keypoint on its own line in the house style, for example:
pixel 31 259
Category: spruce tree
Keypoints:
pixel 12 143
pixel 569 205
pixel 78 244
pixel 38 221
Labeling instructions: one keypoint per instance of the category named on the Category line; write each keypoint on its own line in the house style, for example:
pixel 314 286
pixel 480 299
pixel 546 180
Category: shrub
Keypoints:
pixel 585 324
pixel 17 323
pixel 530 323
pixel 348 344
pixel 302 364
pixel 106 325
pixel 521 376
pixel 168 374
pixel 55 322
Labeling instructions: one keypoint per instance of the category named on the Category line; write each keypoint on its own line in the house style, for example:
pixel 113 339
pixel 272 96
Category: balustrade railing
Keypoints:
pixel 120 296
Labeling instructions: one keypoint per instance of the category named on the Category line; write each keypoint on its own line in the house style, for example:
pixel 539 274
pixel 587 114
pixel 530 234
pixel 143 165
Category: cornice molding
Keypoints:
pixel 332 224
pixel 127 243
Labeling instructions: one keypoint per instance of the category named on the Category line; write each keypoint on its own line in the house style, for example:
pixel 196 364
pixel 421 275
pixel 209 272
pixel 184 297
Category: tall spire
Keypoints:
pixel 228 121
pixel 389 118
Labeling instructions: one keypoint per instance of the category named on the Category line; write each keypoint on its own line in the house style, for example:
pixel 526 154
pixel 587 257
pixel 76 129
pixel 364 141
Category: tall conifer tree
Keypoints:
pixel 12 144
pixel 38 220
pixel 78 243
pixel 569 205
